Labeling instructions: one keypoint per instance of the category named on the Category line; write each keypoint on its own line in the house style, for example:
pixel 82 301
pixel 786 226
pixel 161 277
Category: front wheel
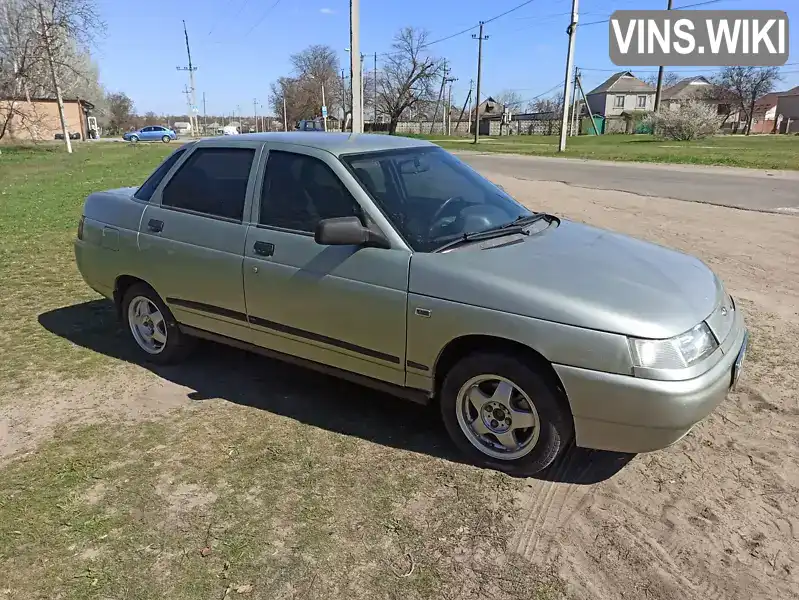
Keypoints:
pixel 505 414
pixel 134 138
pixel 166 139
pixel 152 326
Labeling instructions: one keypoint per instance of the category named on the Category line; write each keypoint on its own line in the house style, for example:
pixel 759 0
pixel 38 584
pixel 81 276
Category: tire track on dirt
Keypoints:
pixel 545 507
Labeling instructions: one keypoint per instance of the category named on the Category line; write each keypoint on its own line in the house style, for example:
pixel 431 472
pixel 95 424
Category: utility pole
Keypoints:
pixel 575 116
pixel 463 110
pixel 255 113
pixel 362 103
pixel 480 37
pixel 205 116
pixel 356 85
pixel 285 117
pixel 59 100
pixel 659 88
pixel 572 31
pixel 588 108
pixel 374 100
pixel 324 110
pixel 191 69
pixel 471 89
pixel 444 112
pixel 438 101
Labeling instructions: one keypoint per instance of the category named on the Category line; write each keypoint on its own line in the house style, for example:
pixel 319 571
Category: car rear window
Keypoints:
pixel 212 181
pixel 145 192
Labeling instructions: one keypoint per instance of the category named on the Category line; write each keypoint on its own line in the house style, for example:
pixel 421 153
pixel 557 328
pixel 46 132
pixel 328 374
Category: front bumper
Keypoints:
pixel 630 414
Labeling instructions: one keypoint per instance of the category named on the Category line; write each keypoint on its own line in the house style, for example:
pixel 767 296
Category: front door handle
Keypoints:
pixel 155 225
pixel 264 248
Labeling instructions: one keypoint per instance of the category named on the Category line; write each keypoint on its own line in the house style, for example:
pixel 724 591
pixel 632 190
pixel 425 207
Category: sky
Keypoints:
pixel 240 46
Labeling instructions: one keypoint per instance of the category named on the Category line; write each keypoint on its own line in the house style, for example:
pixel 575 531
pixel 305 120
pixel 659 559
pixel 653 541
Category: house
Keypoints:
pixel 621 93
pixel 36 119
pixel 488 108
pixel 788 111
pixel 699 88
pixel 764 117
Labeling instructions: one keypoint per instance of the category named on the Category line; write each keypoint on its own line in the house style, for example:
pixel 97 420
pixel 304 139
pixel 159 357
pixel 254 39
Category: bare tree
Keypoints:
pixel 552 104
pixel 312 68
pixel 408 76
pixel 744 85
pixel 669 79
pixel 511 99
pixel 19 55
pixel 65 26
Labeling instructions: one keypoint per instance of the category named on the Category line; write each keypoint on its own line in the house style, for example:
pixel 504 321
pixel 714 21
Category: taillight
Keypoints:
pixel 80 227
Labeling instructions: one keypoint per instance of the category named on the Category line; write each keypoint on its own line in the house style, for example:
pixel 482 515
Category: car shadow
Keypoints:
pixel 216 371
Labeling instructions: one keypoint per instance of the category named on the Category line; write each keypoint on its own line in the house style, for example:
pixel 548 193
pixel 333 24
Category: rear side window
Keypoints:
pixel 145 192
pixel 212 181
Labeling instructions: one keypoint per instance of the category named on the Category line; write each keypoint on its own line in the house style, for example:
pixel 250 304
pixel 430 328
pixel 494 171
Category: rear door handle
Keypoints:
pixel 264 248
pixel 155 225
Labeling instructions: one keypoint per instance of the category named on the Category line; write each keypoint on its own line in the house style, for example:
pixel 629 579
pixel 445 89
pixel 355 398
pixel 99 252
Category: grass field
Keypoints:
pixel 761 152
pixel 248 479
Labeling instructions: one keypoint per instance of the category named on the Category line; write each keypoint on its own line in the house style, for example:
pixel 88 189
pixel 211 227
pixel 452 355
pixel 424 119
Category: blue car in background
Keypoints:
pixel 151 134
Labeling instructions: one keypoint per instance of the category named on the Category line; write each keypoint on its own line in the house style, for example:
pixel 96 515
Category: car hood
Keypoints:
pixel 577 275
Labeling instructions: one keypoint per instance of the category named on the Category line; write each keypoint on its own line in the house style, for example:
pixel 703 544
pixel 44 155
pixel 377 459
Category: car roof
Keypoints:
pixel 335 143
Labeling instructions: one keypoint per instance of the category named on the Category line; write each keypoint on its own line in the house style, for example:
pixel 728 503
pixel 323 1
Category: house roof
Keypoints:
pixel 767 101
pixel 85 103
pixel 686 88
pixel 623 82
pixel 791 92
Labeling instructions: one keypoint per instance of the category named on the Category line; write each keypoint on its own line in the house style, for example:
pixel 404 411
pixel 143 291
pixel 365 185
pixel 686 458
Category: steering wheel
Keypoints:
pixel 440 213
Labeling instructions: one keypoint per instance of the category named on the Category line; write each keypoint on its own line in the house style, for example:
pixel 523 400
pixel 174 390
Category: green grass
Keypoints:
pixel 281 484
pixel 41 195
pixel 761 152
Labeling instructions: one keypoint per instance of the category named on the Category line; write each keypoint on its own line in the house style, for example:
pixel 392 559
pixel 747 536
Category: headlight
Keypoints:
pixel 678 352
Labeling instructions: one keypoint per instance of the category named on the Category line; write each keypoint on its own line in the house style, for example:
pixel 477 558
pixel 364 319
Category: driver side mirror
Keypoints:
pixel 348 231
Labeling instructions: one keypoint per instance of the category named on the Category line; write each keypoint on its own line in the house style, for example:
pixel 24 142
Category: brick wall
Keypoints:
pixel 38 120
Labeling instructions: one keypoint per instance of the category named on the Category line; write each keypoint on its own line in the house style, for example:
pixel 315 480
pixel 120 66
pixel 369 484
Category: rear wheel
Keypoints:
pixel 505 414
pixel 166 139
pixel 152 326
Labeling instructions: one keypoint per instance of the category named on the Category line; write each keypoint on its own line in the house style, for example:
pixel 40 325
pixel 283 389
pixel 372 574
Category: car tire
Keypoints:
pixel 152 326
pixel 490 398
pixel 166 139
pixel 134 138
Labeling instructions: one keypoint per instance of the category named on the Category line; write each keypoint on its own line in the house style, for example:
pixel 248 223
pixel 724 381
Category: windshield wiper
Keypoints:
pixel 518 225
pixel 526 220
pixel 507 229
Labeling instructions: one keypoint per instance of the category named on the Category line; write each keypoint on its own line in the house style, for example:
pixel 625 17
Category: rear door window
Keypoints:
pixel 145 192
pixel 212 182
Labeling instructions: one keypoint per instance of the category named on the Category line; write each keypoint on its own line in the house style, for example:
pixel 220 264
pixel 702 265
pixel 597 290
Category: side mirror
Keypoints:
pixel 347 231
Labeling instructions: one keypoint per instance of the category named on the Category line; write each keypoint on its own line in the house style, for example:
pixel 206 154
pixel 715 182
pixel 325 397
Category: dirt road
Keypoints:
pixel 715 516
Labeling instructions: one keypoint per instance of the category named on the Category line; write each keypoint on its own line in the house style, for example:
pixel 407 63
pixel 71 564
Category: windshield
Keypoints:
pixel 431 197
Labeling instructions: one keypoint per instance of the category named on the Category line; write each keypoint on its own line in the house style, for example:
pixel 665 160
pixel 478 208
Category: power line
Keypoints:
pixel 260 20
pixel 507 12
pixel 705 3
pixel 468 29
pixel 238 12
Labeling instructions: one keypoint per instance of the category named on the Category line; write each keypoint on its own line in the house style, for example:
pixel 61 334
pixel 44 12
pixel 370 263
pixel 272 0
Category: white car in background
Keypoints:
pixel 228 130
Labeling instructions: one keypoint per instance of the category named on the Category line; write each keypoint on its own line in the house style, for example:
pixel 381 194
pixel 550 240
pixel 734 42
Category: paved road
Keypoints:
pixel 770 191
